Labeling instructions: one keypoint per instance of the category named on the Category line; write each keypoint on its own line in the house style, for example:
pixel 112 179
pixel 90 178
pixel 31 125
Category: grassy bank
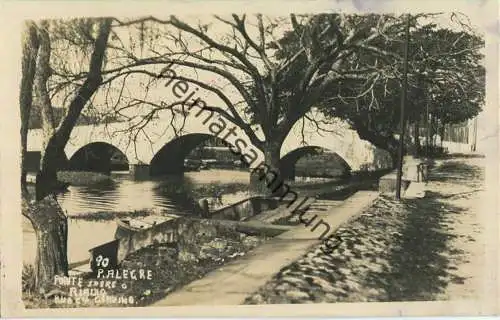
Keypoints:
pixel 83 178
pixel 112 215
pixel 200 191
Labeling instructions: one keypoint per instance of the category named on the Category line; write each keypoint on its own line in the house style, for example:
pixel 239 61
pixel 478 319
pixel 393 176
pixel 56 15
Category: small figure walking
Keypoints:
pixel 218 198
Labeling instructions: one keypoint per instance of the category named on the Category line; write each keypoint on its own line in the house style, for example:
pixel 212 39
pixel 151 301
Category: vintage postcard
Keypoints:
pixel 215 158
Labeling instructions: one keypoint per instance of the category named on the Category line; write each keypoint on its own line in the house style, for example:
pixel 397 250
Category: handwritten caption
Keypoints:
pixel 102 290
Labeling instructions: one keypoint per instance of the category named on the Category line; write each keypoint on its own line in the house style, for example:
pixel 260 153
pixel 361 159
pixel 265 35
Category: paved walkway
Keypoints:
pixel 232 283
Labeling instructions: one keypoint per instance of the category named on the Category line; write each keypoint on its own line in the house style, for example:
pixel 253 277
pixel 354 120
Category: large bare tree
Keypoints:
pixel 258 84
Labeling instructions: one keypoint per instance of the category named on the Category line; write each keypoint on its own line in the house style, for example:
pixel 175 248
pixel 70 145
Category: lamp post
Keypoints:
pixel 402 113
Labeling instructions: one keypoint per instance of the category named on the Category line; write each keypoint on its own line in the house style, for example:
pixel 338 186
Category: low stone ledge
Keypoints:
pixel 387 183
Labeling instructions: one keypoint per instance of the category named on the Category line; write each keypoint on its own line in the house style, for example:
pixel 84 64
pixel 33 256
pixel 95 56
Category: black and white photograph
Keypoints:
pixel 241 157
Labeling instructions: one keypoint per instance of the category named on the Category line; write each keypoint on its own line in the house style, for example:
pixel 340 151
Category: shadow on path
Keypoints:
pixel 455 171
pixel 419 266
pixel 420 257
pixel 394 251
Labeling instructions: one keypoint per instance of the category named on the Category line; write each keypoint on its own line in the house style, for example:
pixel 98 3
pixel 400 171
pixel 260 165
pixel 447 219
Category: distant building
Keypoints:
pixel 461 137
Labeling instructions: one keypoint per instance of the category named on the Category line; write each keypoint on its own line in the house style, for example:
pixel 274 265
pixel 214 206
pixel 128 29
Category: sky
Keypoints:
pixel 157 93
pixel 479 14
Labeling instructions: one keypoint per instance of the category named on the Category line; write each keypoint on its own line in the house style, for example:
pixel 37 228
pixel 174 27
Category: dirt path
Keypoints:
pixel 461 184
pixel 420 249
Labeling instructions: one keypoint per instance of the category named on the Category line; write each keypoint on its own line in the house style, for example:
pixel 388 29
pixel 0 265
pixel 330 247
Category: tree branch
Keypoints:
pixel 43 72
pixel 91 84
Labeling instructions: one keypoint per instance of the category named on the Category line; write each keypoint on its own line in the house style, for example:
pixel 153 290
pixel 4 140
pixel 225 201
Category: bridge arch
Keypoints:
pixel 338 137
pixel 170 159
pixel 98 157
pixel 141 148
pixel 329 163
pixel 359 154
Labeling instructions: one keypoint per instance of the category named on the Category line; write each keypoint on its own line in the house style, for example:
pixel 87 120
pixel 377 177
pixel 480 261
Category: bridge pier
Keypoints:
pixel 139 171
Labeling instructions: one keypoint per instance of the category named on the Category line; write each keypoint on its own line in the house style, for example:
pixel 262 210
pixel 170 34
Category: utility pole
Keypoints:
pixel 403 102
pixel 428 127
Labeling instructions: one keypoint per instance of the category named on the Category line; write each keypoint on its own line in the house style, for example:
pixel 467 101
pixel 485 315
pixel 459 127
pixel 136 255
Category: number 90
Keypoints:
pixel 101 261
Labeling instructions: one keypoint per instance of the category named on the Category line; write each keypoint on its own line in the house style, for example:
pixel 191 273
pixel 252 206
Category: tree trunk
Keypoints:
pixel 416 133
pixel 47 217
pixel 441 132
pixel 434 124
pixel 428 134
pixel 30 50
pixel 53 159
pixel 266 179
pixel 46 180
pixel 51 230
pixel 474 135
pixel 55 139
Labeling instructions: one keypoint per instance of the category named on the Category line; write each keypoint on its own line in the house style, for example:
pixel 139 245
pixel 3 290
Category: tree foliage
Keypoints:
pixel 445 76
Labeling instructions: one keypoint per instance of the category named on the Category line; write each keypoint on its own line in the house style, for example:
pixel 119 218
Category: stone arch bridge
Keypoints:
pixel 161 149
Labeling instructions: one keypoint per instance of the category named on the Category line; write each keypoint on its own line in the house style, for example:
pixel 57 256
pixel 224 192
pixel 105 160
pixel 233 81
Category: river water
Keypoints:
pixel 175 195
pixel 170 194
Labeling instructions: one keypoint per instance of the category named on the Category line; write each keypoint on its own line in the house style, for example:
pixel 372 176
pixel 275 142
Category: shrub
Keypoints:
pixel 28 278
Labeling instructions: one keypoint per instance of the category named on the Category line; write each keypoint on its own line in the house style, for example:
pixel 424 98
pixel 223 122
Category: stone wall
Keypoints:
pixel 119 249
pixel 185 233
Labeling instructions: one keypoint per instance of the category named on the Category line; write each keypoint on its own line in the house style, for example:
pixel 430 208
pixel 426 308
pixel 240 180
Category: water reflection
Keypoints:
pixel 175 194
